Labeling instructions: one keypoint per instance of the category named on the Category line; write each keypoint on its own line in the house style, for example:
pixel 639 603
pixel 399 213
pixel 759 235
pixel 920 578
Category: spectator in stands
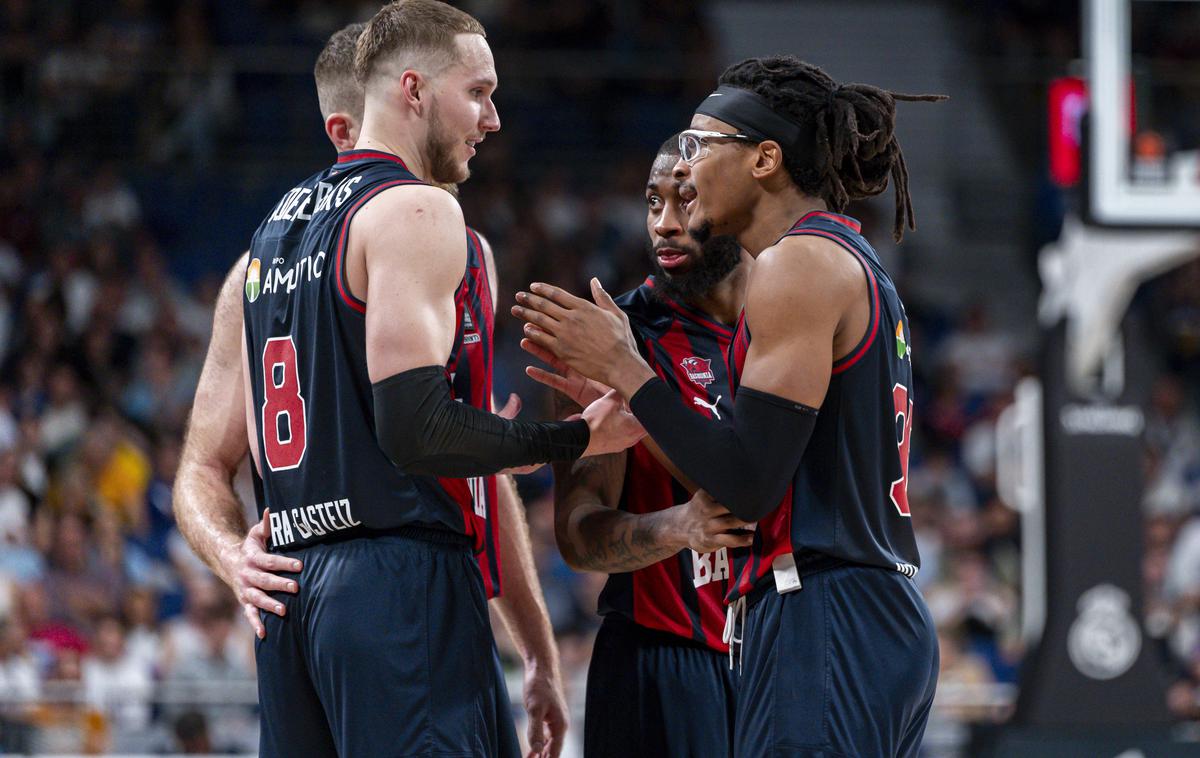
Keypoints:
pixel 191 734
pixel 48 637
pixel 81 585
pixel 117 682
pixel 983 358
pixel 20 679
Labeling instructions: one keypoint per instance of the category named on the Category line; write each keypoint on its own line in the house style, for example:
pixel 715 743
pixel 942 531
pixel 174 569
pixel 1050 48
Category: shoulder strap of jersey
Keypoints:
pixel 845 233
pixel 380 172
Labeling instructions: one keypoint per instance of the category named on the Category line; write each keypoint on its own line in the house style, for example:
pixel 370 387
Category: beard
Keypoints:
pixel 444 168
pixel 719 256
pixel 701 233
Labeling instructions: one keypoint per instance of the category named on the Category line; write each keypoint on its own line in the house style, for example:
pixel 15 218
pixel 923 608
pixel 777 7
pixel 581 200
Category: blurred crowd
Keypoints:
pixel 1170 307
pixel 112 242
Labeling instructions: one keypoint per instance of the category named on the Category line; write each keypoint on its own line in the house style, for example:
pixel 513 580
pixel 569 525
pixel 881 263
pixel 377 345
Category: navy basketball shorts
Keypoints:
pixel 651 693
pixel 843 668
pixel 386 650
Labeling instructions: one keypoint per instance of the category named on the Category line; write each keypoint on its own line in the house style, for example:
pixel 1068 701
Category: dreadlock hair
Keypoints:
pixel 855 150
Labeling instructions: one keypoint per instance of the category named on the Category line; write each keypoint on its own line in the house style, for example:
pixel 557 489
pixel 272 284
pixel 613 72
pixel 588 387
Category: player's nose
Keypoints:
pixel 668 225
pixel 491 118
pixel 681 170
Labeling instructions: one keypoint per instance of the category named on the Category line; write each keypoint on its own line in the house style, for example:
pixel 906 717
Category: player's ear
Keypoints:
pixel 412 89
pixel 341 131
pixel 768 160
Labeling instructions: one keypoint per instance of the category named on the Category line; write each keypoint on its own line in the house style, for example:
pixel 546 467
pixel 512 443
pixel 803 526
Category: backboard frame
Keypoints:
pixel 1113 199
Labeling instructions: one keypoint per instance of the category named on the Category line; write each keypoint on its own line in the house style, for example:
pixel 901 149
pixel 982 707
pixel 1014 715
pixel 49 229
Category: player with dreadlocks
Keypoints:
pixel 839 653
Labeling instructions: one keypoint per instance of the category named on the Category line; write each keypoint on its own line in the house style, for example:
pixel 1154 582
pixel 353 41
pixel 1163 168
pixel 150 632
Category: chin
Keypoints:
pixel 462 170
pixel 452 175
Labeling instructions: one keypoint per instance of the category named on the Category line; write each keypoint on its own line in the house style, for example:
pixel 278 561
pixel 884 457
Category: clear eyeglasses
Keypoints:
pixel 693 143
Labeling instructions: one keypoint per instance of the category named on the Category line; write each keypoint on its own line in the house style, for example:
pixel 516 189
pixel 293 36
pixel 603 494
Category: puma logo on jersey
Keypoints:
pixel 711 406
pixel 709 567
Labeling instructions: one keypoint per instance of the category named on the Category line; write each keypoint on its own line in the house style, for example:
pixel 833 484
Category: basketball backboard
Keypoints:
pixel 1144 139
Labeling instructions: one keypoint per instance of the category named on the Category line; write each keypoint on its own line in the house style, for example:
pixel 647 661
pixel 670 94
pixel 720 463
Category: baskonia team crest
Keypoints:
pixel 253 287
pixel 699 370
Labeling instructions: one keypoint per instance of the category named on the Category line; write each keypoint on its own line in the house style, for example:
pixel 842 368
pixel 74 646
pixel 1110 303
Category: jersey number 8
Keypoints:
pixel 284 424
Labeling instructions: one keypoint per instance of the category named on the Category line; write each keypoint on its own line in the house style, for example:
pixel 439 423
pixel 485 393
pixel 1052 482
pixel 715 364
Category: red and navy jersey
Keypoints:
pixel 323 472
pixel 471 382
pixel 848 500
pixel 683 594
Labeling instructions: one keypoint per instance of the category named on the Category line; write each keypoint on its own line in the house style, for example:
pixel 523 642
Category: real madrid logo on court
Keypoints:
pixel 1104 640
pixel 253 286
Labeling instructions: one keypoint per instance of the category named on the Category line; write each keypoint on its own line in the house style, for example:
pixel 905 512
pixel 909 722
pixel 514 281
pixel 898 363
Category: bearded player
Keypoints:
pixel 838 648
pixel 661 643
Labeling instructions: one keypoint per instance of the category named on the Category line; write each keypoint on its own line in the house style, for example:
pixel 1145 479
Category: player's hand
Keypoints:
pixel 613 427
pixel 510 411
pixel 568 381
pixel 547 708
pixel 251 571
pixel 511 408
pixel 706 525
pixel 592 338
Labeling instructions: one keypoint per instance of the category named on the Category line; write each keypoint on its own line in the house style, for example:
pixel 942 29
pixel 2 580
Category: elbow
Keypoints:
pixel 562 538
pixel 572 560
pixel 405 451
pixel 403 423
pixel 406 464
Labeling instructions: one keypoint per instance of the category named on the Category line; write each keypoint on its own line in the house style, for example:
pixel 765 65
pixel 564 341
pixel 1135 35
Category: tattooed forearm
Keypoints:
pixel 594 535
pixel 615 541
pixel 592 532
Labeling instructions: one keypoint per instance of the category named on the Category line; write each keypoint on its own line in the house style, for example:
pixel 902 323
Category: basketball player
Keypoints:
pixel 839 652
pixel 217 442
pixel 290 432
pixel 521 607
pixel 660 645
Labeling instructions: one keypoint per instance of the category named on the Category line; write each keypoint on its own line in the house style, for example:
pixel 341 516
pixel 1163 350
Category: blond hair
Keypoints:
pixel 422 31
pixel 338 91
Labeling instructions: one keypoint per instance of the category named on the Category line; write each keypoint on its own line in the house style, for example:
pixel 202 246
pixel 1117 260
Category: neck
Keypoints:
pixel 401 140
pixel 724 301
pixel 774 214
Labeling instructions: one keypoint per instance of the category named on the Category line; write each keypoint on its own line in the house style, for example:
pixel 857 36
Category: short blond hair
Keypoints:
pixel 338 91
pixel 422 28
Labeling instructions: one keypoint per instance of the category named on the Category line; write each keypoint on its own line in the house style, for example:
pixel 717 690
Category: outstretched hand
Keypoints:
pixel 594 339
pixel 574 385
pixel 612 426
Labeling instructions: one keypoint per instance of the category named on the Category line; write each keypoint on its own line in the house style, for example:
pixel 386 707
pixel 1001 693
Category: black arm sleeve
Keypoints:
pixel 746 466
pixel 425 431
